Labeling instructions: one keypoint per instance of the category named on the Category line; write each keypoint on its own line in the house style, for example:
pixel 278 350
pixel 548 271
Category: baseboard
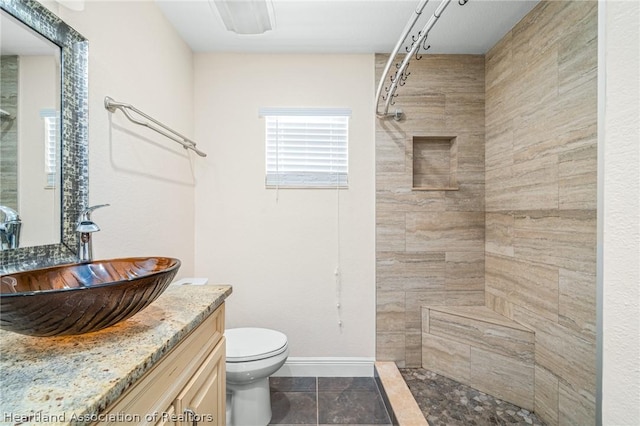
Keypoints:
pixel 326 367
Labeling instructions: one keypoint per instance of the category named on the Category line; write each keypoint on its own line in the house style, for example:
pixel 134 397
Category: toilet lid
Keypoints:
pixel 252 344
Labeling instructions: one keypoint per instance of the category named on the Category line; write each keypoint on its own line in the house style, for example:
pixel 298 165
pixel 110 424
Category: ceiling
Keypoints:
pixel 349 26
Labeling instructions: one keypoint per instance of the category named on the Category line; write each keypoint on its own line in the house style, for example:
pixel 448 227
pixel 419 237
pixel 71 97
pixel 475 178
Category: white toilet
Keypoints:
pixel 253 354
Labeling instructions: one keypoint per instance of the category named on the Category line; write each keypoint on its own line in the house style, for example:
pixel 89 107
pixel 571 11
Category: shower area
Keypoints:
pixel 486 216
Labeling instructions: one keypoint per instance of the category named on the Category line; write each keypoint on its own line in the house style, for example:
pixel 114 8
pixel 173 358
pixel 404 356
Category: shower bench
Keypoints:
pixel 482 349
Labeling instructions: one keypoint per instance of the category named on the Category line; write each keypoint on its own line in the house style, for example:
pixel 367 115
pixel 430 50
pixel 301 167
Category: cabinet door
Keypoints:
pixel 167 417
pixel 151 400
pixel 203 401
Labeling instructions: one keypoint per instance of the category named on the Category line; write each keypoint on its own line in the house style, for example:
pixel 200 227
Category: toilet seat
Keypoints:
pixel 253 344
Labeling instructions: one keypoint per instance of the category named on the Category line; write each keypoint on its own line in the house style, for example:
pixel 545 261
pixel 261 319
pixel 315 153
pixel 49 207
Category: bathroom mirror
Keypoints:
pixel 30 131
pixel 34 20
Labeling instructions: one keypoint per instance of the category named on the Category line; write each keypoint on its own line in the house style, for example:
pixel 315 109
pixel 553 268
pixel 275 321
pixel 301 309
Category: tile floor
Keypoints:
pixel 357 401
pixel 326 401
pixel 446 402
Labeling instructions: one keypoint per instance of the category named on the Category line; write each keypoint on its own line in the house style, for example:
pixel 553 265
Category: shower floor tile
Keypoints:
pixel 446 402
pixel 326 401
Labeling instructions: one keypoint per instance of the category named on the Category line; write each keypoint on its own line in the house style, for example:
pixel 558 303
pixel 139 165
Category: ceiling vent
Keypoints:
pixel 246 16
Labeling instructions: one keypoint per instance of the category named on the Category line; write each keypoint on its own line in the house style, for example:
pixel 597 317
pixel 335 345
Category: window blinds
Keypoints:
pixel 50 121
pixel 306 147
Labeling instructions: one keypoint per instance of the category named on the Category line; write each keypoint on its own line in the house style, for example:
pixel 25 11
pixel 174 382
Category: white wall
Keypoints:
pixel 279 249
pixel 620 184
pixel 135 56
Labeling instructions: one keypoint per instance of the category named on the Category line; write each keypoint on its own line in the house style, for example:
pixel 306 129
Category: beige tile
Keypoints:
pixel 447 358
pixel 534 183
pixel 546 396
pixel 446 231
pixel 480 313
pixel 562 351
pixel 503 377
pixel 470 167
pixel 498 182
pixel 464 111
pixel 541 128
pixel 535 34
pixel 390 311
pixel 498 112
pixel 568 123
pixel 415 300
pixel 566 239
pixel 489 336
pixel 577 303
pixel 392 181
pixel 471 147
pixel 411 270
pixel 392 131
pixel 468 197
pixel 444 72
pixel 498 64
pixel 464 298
pixel 390 152
pixel 522 283
pixel 578 178
pixel 423 112
pixel 425 319
pixel 464 271
pixel 499 233
pixel 498 304
pixel 405 199
pixel 576 408
pixel 574 118
pixel 390 231
pixel 578 48
pixel 431 156
pixel 390 347
pixel 540 84
pixel 534 138
pixel 413 350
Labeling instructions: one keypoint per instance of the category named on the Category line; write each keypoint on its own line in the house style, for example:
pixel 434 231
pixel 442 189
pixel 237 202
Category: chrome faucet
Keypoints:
pixel 9 229
pixel 86 227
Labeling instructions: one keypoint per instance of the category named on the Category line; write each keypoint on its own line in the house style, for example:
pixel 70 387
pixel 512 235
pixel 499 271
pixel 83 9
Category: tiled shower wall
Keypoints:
pixel 429 244
pixel 538 181
pixel 541 115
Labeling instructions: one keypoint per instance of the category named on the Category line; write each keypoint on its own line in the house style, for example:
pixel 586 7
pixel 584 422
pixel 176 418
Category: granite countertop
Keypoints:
pixel 66 380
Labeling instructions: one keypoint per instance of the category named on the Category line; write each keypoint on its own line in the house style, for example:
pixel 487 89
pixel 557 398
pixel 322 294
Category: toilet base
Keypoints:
pixel 250 403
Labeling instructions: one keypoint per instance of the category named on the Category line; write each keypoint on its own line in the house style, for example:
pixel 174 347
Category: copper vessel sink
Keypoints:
pixel 84 297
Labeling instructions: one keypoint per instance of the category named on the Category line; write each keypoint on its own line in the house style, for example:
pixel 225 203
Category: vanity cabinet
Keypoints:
pixel 185 386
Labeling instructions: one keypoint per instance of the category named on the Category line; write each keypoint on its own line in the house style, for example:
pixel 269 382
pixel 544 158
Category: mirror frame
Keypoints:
pixel 74 174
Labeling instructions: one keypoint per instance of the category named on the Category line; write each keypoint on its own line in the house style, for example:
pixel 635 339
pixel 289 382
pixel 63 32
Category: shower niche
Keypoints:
pixel 435 163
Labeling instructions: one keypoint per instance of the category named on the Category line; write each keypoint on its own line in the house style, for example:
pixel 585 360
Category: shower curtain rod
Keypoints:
pixel 111 105
pixel 400 76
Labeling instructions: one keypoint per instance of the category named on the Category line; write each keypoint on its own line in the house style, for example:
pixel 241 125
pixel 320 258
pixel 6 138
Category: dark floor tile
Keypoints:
pixel 346 383
pixel 292 384
pixel 294 408
pixel 351 407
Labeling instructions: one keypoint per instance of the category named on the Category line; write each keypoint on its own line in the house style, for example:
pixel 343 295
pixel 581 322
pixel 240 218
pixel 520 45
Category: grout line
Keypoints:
pixel 317 402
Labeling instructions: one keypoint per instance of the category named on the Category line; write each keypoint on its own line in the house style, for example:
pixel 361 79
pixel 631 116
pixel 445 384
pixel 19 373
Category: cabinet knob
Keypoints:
pixel 189 413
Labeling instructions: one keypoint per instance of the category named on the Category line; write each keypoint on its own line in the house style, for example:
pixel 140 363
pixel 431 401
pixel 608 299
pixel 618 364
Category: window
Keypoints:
pixel 306 147
pixel 50 120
